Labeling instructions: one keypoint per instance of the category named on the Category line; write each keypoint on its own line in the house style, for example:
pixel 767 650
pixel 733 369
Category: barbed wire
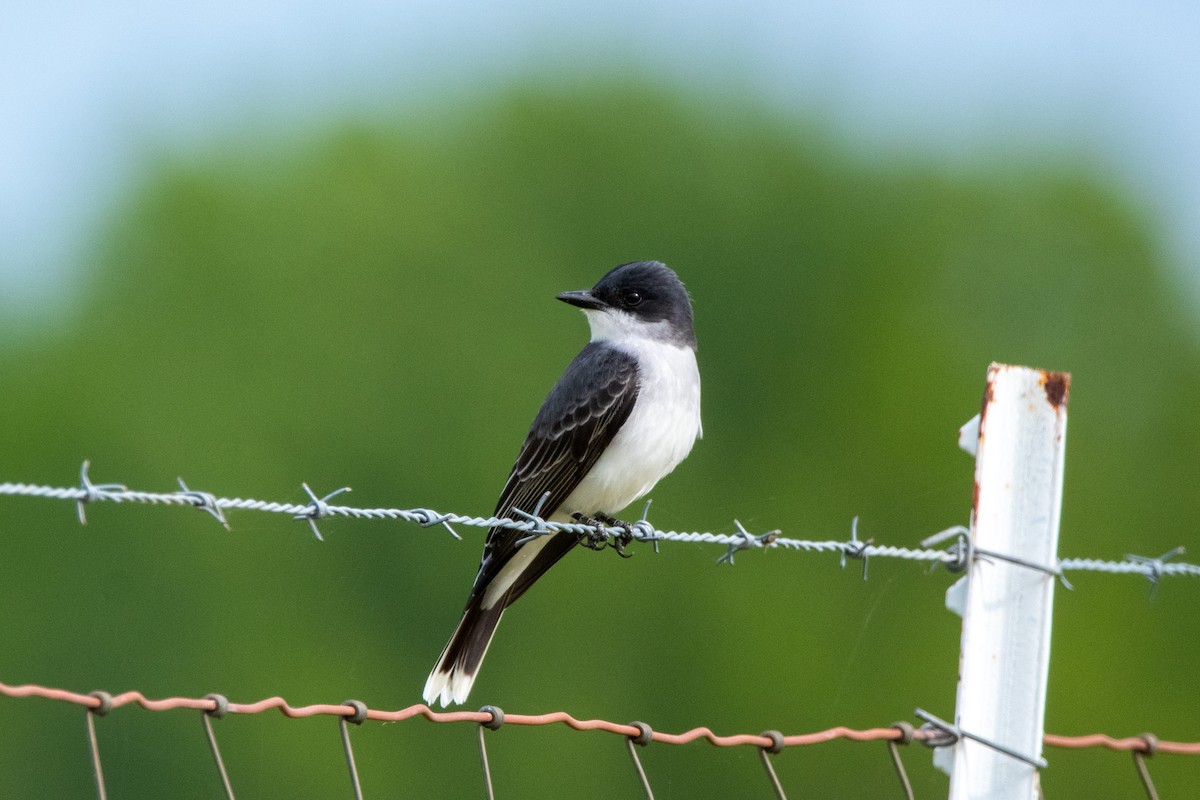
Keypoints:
pixel 954 557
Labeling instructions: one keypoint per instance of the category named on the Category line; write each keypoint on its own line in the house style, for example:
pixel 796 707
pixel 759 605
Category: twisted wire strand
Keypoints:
pixel 134 698
pixel 1152 568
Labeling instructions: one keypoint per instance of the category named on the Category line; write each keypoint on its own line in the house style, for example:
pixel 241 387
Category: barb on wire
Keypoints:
pixel 534 519
pixel 318 508
pixel 857 549
pixel 91 491
pixel 205 501
pixel 954 557
pixel 1155 566
pixel 643 530
pixel 440 519
pixel 746 542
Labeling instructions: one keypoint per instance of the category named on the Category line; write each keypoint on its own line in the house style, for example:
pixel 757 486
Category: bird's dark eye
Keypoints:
pixel 631 297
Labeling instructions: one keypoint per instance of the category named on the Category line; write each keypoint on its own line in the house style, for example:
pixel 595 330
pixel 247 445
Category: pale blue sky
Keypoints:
pixel 90 91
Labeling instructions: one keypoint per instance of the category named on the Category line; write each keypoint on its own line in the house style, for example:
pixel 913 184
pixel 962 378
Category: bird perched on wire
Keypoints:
pixel 624 413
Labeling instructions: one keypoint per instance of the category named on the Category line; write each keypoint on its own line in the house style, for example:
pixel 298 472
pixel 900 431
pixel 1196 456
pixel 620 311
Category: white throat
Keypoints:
pixel 663 425
pixel 621 327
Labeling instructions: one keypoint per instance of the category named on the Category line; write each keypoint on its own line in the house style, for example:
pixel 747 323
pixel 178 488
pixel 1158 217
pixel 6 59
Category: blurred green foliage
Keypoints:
pixel 374 306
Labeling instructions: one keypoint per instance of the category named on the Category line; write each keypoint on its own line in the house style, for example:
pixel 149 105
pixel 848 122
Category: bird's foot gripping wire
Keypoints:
pixel 599 538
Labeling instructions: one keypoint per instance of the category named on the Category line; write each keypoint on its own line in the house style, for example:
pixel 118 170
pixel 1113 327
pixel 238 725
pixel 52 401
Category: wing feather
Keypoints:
pixel 580 416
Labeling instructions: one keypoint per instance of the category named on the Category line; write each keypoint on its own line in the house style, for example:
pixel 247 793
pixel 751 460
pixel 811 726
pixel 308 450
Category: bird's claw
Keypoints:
pixel 593 540
pixel 598 539
pixel 620 541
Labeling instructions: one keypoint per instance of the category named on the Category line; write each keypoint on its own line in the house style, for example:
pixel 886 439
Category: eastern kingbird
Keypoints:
pixel 624 413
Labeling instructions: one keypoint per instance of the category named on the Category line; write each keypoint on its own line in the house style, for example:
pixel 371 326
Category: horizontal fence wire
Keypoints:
pixel 935 733
pixel 352 709
pixel 954 557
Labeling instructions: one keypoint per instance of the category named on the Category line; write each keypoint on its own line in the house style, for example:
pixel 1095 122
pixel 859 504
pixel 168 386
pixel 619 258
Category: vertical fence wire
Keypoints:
pixel 497 719
pixel 765 754
pixel 105 703
pixel 1139 763
pixel 906 735
pixel 219 709
pixel 487 770
pixel 216 752
pixel 359 715
pixel 642 738
pixel 355 785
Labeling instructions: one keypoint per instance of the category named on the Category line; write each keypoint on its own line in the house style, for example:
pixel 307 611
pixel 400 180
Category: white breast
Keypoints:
pixel 659 433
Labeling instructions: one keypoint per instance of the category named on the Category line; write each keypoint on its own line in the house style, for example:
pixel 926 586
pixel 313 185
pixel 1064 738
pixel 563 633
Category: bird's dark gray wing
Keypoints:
pixel 580 416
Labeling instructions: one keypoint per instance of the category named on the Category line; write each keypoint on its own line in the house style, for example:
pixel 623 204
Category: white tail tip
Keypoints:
pixel 448 687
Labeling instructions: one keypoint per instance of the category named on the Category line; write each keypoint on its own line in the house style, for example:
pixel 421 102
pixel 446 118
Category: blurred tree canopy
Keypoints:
pixel 372 304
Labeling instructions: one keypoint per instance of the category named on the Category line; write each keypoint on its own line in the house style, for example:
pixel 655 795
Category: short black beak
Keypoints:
pixel 582 299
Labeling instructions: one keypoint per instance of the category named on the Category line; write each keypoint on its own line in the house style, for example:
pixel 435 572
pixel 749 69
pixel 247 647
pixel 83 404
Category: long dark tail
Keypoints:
pixel 452 677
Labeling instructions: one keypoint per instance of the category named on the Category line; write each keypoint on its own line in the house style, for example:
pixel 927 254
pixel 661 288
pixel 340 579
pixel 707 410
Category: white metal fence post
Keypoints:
pixel 1006 606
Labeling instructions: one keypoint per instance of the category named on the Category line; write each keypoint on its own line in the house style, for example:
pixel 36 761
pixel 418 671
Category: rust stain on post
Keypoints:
pixel 1057 386
pixel 988 393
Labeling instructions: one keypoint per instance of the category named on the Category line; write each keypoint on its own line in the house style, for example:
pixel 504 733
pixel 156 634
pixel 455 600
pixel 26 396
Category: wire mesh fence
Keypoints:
pixel 636 734
pixel 955 554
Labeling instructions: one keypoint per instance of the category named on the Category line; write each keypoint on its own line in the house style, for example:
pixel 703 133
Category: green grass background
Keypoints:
pixel 372 304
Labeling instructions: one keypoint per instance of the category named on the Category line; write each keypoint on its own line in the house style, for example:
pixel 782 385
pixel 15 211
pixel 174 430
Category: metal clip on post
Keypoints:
pixel 952 733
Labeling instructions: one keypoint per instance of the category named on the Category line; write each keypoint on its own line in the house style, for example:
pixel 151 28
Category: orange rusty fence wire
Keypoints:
pixel 635 733
pixel 210 704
